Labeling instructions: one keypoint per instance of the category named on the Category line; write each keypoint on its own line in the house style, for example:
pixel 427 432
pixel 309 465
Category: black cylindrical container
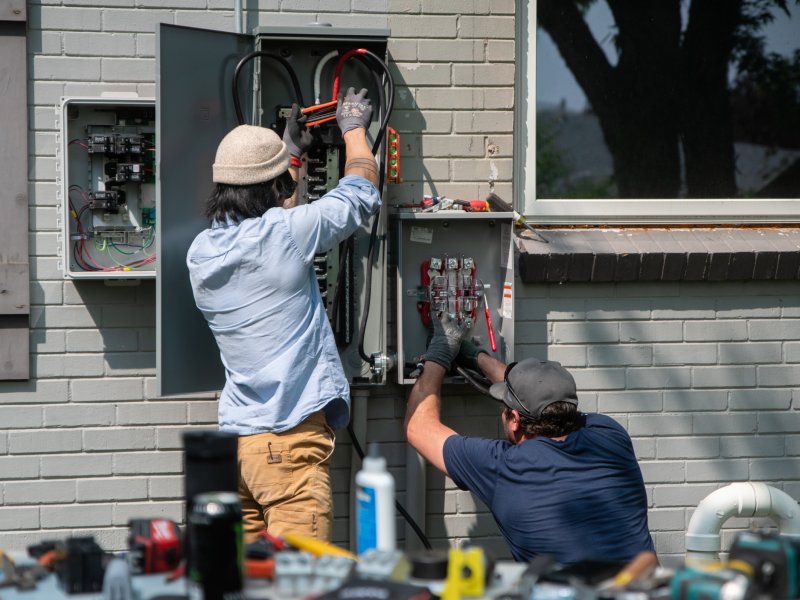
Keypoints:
pixel 211 463
pixel 215 565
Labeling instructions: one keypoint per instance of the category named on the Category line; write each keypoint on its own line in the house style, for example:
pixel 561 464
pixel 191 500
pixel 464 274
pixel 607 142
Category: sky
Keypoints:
pixel 554 81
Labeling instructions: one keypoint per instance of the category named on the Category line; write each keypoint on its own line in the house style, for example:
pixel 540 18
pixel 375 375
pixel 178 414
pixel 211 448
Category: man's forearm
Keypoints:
pixel 492 369
pixel 424 428
pixel 358 156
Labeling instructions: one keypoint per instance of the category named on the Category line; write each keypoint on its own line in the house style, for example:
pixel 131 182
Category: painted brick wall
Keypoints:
pixel 704 376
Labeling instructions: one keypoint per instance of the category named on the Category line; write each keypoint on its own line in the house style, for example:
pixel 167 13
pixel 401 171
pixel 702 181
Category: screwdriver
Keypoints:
pixel 499 205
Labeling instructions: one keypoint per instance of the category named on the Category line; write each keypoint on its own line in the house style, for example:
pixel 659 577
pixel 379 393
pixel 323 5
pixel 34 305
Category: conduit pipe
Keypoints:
pixel 742 499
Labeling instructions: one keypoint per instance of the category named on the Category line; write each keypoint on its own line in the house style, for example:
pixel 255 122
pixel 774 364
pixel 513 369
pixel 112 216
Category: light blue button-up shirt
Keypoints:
pixel 254 282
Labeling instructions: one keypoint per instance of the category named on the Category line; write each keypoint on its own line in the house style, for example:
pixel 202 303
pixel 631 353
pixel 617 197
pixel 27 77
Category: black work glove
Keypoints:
pixel 296 136
pixel 468 355
pixel 353 111
pixel 446 340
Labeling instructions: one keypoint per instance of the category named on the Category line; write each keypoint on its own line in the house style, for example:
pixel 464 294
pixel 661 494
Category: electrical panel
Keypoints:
pixel 460 263
pixel 271 70
pixel 107 168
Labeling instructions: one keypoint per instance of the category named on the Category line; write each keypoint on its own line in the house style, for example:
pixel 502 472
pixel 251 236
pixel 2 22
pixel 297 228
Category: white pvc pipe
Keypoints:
pixel 743 499
pixel 237 15
pixel 318 74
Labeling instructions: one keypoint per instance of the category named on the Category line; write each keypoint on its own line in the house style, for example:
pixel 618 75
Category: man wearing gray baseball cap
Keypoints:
pixel 564 483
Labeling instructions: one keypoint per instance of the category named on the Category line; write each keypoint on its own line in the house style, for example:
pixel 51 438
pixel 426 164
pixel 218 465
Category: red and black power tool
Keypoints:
pixel 155 545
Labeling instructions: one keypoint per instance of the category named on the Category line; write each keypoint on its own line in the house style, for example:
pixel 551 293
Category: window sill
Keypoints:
pixel 662 254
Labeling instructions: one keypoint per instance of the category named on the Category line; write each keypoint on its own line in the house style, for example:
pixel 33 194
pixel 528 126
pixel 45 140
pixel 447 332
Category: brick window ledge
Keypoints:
pixel 663 254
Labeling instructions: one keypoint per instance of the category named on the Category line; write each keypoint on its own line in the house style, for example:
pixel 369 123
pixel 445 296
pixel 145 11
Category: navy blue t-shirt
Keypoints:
pixel 579 499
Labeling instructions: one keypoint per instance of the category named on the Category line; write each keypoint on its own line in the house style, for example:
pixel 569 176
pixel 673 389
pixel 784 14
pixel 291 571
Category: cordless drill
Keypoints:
pixel 154 544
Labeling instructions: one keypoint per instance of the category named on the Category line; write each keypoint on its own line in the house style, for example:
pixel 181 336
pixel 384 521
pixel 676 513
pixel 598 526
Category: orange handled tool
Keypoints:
pixel 320 113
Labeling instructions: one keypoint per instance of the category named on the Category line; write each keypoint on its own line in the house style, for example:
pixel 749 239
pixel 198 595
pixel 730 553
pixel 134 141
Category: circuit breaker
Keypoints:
pixel 460 263
pixel 255 79
pixel 106 164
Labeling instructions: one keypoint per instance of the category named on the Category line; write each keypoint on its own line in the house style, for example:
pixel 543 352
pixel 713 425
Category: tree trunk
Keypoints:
pixel 706 113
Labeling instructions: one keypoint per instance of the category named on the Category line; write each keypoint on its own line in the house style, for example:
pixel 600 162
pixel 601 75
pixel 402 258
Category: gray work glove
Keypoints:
pixel 353 111
pixel 296 136
pixel 447 336
pixel 468 355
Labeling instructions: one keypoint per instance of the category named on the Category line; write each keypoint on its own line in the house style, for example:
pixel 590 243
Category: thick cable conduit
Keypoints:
pixel 742 499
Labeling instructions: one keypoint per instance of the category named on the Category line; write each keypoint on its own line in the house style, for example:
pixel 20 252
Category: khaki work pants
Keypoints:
pixel 284 480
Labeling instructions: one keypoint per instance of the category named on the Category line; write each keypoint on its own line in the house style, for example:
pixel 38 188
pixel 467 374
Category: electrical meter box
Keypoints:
pixel 209 81
pixel 460 263
pixel 106 165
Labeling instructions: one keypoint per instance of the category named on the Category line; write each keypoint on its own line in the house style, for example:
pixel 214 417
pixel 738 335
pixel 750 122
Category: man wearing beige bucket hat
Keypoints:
pixel 563 483
pixel 253 279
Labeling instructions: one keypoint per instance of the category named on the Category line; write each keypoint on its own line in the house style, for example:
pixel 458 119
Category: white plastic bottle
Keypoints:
pixel 375 519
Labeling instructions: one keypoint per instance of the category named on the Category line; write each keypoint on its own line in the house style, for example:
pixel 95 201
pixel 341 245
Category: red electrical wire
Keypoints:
pixel 342 59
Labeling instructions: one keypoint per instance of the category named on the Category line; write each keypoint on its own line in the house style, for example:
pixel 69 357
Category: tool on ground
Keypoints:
pixel 499 205
pixel 468 572
pixel 80 571
pixel 154 544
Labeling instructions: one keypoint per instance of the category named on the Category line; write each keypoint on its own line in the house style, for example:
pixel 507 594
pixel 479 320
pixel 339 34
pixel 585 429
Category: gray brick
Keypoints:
pixel 78 19
pixel 691 400
pixel 33 392
pixel 669 543
pixel 568 356
pixel 570 309
pixel 720 330
pixel 500 51
pixel 497 74
pixel 651 331
pixel 429 27
pixel 171 438
pixel 44 243
pixel 662 472
pixel 461 526
pixel 751 446
pixel 128 69
pixel 66 68
pixel 617 309
pixel 681 495
pixel 774 469
pixel 723 377
pixel 657 377
pixel 450 51
pixel 443 6
pixel 623 355
pixel 18 467
pixel 109 340
pixel 166 487
pixel 172 3
pixel 45 268
pixel 116 489
pixel 150 510
pixel 592 333
pixel 3 442
pixel 599 379
pixel 147 340
pixel 76 415
pixel 743 307
pixel 76 516
pixel 46 292
pixel 432 98
pixel 20 417
pixel 76 465
pixel 685 354
pixel 65 316
pixel 760 399
pixel 67 365
pixel 203 412
pixel 134 463
pixel 88 296
pixel 116 389
pixel 666 519
pixel 663 424
pixel 622 402
pixel 792 445
pixel 130 363
pixel 142 438
pixel 683 307
pixel 791 352
pixel 716 470
pixel 724 423
pixel 44 442
pixel 383 6
pixel 750 352
pixel 145 21
pixel 46 93
pixel 486 27
pixel 87 43
pixel 44 341
pixel 40 492
pixel 644 448
pixel 18 518
pixel 417 74
pixel 151 413
pixel 788 375
pixel 692 447
pixel 486 121
pixel 145 45
pixel 784 329
pixel 778 422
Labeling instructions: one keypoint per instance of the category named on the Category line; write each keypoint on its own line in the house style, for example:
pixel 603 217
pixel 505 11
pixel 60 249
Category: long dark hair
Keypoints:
pixel 239 202
pixel 560 418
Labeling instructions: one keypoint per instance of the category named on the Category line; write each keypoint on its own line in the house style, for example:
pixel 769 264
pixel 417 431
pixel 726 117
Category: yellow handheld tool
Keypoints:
pixel 316 547
pixel 467 573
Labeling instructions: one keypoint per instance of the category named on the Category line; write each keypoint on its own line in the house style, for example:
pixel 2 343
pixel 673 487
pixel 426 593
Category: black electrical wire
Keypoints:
pixel 248 57
pixel 477 381
pixel 409 519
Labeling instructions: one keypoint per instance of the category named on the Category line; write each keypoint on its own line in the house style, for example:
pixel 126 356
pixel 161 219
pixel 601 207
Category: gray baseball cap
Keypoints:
pixel 532 385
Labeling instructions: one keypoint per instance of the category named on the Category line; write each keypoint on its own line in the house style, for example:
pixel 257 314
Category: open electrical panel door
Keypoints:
pixel 195 108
